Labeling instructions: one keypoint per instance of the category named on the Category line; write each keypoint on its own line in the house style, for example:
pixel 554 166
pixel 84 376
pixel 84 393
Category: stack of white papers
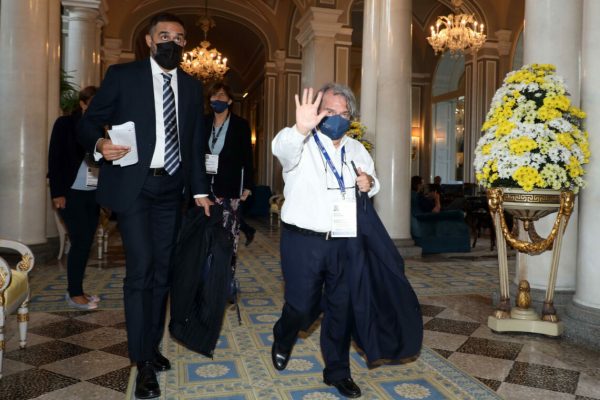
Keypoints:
pixel 124 135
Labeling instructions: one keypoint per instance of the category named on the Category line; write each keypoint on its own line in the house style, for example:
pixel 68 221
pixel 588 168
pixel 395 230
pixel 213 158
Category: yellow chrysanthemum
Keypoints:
pixel 528 178
pixel 522 145
pixel 565 139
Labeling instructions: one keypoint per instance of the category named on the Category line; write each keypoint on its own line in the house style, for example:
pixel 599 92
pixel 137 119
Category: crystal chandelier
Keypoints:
pixel 458 33
pixel 205 64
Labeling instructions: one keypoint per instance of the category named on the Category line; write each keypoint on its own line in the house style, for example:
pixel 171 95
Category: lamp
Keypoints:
pixel 459 32
pixel 204 63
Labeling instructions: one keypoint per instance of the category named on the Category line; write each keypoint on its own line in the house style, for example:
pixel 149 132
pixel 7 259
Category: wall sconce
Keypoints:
pixel 415 140
pixel 253 138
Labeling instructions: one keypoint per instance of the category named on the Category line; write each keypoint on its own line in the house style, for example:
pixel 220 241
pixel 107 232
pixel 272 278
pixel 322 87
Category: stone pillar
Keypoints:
pixel 111 53
pixel 504 46
pixel 54 38
pixel 393 116
pixel 583 314
pixel 318 29
pixel 370 51
pixel 24 114
pixel 82 44
pixel 544 43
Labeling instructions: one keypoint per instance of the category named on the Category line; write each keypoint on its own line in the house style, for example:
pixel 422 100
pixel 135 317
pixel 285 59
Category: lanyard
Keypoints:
pixel 215 137
pixel 339 178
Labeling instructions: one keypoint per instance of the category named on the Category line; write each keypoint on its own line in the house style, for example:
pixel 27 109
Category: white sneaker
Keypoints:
pixel 87 306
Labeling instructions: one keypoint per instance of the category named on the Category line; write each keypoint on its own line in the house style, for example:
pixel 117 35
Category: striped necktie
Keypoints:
pixel 170 120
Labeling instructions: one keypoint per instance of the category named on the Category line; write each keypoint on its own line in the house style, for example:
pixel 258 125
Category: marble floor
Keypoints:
pixel 83 355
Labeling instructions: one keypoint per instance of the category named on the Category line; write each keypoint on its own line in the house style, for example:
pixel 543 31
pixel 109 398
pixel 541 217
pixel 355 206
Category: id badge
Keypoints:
pixel 91 176
pixel 344 218
pixel 212 163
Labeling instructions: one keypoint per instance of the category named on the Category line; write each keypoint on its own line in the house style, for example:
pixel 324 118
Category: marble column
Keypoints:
pixel 82 45
pixel 369 75
pixel 584 313
pixel 393 116
pixel 24 45
pixel 54 37
pixel 553 35
pixel 318 30
pixel 111 52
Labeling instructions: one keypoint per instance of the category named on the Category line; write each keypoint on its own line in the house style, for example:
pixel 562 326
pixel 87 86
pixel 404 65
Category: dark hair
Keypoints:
pixel 215 87
pixel 87 93
pixel 415 181
pixel 164 17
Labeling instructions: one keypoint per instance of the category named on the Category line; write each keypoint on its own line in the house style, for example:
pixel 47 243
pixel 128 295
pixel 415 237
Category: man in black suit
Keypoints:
pixel 165 104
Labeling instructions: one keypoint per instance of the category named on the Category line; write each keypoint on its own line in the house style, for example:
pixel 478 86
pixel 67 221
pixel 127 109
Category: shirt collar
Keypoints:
pixel 326 139
pixel 157 70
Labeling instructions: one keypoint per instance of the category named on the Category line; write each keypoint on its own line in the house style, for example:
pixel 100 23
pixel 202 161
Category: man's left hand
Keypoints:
pixel 245 194
pixel 205 203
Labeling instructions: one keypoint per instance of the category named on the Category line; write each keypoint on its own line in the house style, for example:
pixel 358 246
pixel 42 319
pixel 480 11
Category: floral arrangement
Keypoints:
pixel 532 136
pixel 357 131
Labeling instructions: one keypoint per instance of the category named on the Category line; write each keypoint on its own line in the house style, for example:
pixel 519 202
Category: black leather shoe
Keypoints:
pixel 146 385
pixel 280 358
pixel 249 238
pixel 160 362
pixel 346 387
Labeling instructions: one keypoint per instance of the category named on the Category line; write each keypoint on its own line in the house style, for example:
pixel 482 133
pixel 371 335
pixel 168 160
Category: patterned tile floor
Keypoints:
pixel 83 355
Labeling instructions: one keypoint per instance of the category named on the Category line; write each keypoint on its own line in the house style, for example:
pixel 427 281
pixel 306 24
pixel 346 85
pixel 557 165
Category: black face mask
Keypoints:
pixel 168 54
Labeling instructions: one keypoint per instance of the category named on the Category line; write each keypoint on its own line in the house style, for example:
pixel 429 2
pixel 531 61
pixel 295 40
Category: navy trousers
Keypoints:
pixel 81 218
pixel 315 282
pixel 149 228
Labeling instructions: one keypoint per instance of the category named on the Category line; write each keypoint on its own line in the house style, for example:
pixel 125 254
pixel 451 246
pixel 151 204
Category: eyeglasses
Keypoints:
pixel 331 113
pixel 331 181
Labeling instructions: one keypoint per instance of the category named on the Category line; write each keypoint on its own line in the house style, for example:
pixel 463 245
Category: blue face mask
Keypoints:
pixel 219 106
pixel 334 127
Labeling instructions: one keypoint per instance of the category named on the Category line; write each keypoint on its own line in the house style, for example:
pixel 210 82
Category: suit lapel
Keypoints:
pixel 182 96
pixel 146 96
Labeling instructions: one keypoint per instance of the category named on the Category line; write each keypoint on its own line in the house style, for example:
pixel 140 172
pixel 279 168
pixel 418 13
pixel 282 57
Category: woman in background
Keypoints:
pixel 228 159
pixel 72 188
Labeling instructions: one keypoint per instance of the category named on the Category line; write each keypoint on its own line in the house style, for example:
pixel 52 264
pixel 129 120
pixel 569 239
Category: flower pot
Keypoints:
pixel 530 206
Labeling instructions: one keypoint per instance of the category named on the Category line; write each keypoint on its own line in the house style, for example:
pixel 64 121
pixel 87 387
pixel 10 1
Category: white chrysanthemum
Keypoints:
pixel 412 391
pixel 212 370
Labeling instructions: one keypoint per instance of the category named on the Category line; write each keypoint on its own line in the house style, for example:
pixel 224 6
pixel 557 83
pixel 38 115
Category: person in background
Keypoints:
pixel 162 106
pixel 229 164
pixel 73 176
pixel 420 202
pixel 249 231
pixel 318 162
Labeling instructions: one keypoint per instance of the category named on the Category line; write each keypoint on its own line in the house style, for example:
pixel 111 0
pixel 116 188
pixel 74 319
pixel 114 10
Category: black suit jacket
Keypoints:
pixel 235 155
pixel 127 94
pixel 65 155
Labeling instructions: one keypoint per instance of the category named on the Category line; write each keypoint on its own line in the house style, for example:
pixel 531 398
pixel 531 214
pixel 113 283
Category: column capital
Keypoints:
pixel 318 22
pixel 504 43
pixel 94 4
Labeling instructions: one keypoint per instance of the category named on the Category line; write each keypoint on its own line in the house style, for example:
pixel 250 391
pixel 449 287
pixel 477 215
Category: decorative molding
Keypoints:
pixel 318 22
pixel 504 43
pixel 342 62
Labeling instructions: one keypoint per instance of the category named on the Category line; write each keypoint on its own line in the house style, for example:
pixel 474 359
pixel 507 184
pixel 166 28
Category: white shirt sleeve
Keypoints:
pixel 287 147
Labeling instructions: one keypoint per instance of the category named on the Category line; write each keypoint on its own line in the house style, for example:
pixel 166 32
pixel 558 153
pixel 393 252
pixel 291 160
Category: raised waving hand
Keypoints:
pixel 307 111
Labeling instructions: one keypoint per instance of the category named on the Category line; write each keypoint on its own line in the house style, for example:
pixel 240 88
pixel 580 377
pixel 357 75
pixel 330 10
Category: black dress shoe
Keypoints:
pixel 346 387
pixel 146 385
pixel 160 362
pixel 249 238
pixel 280 358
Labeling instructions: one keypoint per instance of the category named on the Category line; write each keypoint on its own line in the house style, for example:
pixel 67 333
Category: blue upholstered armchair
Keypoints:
pixel 443 232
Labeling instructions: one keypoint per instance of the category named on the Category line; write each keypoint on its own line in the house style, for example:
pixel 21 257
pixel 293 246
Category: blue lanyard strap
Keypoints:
pixel 339 178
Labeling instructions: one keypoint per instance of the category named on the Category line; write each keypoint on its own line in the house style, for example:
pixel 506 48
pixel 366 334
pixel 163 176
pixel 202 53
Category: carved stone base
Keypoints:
pixel 525 325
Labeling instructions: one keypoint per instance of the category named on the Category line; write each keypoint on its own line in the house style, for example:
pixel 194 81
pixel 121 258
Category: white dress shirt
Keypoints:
pixel 158 158
pixel 311 188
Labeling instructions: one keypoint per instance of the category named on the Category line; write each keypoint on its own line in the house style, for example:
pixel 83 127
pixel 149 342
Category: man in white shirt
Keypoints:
pixel 322 168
